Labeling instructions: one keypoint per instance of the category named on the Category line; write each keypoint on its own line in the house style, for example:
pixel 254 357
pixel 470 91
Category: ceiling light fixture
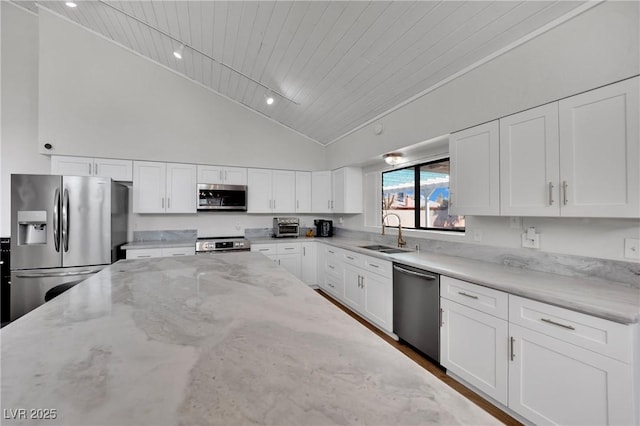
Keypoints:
pixel 193 50
pixel 71 4
pixel 268 97
pixel 178 52
pixel 393 158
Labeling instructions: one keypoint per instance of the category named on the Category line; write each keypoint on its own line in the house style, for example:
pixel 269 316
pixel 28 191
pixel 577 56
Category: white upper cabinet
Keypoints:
pixel 164 187
pixel 578 157
pixel 347 190
pixel 120 170
pixel 271 191
pixel 474 175
pixel 529 163
pixel 303 192
pixel 222 175
pixel 321 196
pixel 600 152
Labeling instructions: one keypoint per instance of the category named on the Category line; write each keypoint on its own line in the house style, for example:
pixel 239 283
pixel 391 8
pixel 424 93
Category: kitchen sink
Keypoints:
pixel 384 249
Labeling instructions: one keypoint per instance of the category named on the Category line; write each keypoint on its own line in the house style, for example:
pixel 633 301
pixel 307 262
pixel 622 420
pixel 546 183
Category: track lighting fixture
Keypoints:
pixel 178 52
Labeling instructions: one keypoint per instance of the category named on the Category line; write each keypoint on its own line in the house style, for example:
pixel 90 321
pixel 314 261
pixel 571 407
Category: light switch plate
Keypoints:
pixel 632 248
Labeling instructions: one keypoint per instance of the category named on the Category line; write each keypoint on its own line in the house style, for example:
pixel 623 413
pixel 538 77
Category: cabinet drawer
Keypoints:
pixel 334 266
pixel 483 299
pixel 144 253
pixel 378 266
pixel 596 334
pixel 330 251
pixel 334 284
pixel 267 249
pixel 179 251
pixel 288 248
pixel 353 258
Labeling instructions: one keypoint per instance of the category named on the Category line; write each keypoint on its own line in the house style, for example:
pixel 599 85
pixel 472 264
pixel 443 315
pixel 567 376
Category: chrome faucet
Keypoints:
pixel 401 242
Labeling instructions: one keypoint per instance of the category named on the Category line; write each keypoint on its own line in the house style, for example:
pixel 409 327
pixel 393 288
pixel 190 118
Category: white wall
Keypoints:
pixel 595 48
pixel 100 99
pixel 19 87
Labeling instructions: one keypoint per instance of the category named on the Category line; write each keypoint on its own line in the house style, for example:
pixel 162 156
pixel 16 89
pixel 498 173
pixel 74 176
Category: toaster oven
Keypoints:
pixel 286 227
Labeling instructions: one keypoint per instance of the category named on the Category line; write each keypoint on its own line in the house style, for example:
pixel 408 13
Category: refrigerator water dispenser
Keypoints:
pixel 32 227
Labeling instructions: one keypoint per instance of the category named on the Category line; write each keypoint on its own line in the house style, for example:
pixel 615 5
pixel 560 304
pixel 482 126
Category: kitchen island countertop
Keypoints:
pixel 225 339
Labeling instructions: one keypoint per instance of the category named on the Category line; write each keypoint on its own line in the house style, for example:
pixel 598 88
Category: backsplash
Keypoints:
pixel 562 264
pixel 165 235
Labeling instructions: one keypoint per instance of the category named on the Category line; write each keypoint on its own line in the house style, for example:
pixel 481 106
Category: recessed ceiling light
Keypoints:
pixel 71 4
pixel 269 99
pixel 178 52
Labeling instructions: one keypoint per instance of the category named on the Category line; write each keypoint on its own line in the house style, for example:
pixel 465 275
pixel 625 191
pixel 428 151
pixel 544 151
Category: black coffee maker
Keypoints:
pixel 324 228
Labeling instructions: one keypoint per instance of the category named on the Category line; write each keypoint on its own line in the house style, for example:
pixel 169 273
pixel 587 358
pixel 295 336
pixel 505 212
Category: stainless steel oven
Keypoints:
pixel 222 197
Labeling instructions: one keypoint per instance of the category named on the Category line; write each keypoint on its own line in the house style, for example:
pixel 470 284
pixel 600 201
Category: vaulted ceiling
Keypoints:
pixel 332 65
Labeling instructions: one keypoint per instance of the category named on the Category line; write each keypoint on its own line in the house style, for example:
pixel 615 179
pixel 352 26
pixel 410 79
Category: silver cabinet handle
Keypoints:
pixel 467 295
pixel 350 258
pixel 289 248
pixel 332 204
pixel 178 254
pixel 163 202
pixel 512 355
pixel 56 220
pixel 89 169
pixel 417 274
pixel 332 252
pixel 143 256
pixel 304 251
pixel 274 204
pixel 547 320
pixel 263 249
pixel 441 313
pixel 168 203
pixel 331 285
pixel 95 169
pixel 297 204
pixel 331 267
pixel 329 204
pixel 221 176
pixel 226 176
pixel 550 193
pixel 564 192
pixel 374 265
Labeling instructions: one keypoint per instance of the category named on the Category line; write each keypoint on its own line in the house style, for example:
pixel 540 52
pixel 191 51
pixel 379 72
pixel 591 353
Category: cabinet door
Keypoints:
pixel 347 190
pixel 353 287
pixel 321 192
pixel 600 152
pixel 290 262
pixel 529 163
pixel 259 199
pixel 309 262
pixel 475 179
pixel 149 186
pixel 71 166
pixel 181 188
pixel 554 382
pixel 284 191
pixel 210 174
pixel 235 175
pixel 473 346
pixel 303 192
pixel 120 170
pixel 378 303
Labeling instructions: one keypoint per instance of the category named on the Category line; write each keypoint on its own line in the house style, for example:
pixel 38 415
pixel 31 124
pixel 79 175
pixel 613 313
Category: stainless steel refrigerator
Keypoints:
pixel 63 229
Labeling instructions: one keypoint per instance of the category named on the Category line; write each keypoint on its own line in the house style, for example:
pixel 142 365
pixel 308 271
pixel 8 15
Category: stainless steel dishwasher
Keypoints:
pixel 416 309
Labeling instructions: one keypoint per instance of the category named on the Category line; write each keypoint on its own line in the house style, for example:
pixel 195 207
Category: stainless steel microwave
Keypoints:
pixel 222 197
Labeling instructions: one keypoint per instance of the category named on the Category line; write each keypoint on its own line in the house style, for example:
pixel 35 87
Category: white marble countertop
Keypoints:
pixel 611 300
pixel 225 339
pixel 158 244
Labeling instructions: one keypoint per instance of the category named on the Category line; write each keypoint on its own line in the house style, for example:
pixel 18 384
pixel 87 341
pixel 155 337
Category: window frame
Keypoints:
pixel 416 179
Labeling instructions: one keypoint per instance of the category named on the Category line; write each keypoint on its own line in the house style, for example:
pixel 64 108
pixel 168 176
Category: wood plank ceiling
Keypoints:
pixel 338 64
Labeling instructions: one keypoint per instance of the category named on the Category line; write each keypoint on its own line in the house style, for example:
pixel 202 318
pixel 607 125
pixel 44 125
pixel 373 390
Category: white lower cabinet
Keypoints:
pixel 160 252
pixel 308 263
pixel 555 382
pixel 473 346
pixel 548 364
pixel 286 255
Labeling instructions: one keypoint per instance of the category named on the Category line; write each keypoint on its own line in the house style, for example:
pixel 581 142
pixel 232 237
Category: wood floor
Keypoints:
pixel 431 367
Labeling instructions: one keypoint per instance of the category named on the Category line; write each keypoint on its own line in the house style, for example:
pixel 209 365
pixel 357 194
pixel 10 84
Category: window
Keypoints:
pixel 419 195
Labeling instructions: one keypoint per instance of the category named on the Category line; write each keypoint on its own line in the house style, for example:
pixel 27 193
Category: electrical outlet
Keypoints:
pixel 531 239
pixel 632 248
pixel 515 222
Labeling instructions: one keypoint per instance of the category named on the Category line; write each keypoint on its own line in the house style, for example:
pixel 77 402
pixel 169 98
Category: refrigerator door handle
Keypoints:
pixel 56 220
pixel 65 220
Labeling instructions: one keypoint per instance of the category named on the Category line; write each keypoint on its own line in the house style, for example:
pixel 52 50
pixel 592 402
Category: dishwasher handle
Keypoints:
pixel 417 274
